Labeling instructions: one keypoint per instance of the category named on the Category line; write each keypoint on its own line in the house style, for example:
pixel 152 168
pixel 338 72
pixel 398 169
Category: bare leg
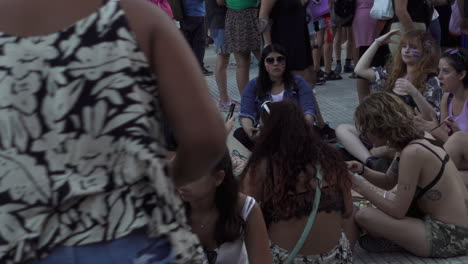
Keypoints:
pixel 222 61
pixel 349 138
pixel 337 43
pixel 458 152
pixel 243 68
pixel 408 233
pixel 327 56
pixel 317 53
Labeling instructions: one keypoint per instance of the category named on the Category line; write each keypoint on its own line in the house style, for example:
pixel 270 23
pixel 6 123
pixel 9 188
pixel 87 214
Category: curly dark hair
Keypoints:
pixel 230 226
pixel 289 144
pixel 264 83
pixel 386 115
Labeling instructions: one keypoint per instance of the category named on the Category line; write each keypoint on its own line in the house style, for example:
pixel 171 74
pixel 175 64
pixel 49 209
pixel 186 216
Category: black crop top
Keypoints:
pixel 414 210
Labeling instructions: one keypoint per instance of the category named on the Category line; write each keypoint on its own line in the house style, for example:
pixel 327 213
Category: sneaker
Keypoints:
pixel 378 245
pixel 332 76
pixel 206 72
pixel 328 133
pixel 378 164
pixel 348 68
pixel 337 69
pixel 320 77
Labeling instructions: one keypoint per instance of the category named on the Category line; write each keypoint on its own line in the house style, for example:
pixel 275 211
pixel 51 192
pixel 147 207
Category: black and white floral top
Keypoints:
pixel 433 92
pixel 81 155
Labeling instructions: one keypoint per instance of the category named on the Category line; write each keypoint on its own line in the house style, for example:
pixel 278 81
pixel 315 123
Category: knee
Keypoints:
pixel 363 216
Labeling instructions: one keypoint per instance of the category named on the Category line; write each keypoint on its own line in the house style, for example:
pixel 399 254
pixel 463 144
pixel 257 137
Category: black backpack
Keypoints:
pixel 345 8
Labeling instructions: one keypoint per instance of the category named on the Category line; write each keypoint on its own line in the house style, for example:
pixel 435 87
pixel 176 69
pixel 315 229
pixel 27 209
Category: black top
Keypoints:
pixel 419 11
pixel 414 210
pixel 215 15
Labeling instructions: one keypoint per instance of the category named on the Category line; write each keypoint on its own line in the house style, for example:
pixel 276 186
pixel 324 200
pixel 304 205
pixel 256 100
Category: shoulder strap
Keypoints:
pixel 310 221
pixel 439 175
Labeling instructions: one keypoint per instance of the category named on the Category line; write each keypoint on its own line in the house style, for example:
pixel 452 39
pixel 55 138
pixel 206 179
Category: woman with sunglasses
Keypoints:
pixel 410 75
pixel 229 224
pixel 274 83
pixel 427 215
pixel 282 174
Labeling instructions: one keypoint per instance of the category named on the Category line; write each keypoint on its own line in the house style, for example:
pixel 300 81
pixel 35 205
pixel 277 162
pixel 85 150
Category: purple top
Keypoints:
pixel 462 118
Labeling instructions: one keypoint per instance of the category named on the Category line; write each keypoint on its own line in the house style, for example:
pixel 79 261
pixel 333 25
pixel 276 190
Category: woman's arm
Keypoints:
pixel 411 163
pixel 363 67
pixel 384 181
pixel 440 132
pixel 348 202
pixel 306 100
pixel 248 111
pixel 199 146
pixel 256 238
pixel 264 17
pixel 401 11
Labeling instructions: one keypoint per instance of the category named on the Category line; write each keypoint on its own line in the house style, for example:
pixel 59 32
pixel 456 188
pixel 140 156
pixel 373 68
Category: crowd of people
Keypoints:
pixel 112 150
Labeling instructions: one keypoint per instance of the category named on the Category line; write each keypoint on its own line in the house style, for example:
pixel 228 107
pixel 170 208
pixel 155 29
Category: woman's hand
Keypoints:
pixel 404 87
pixel 354 166
pixel 387 38
pixel 251 132
pixel 423 124
pixel 452 125
pixel 230 124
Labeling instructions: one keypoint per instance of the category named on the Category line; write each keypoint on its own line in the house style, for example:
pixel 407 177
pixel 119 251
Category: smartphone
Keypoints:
pixel 231 111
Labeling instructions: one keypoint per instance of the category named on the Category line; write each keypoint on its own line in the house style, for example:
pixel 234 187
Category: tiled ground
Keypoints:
pixel 337 101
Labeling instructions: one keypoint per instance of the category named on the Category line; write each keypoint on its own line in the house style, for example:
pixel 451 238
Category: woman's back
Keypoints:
pixel 327 226
pixel 447 199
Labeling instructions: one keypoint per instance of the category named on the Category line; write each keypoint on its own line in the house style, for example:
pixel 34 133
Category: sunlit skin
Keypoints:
pixel 449 79
pixel 410 53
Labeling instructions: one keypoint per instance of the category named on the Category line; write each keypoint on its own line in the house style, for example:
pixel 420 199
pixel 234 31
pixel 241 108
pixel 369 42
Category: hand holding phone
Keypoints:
pixel 231 111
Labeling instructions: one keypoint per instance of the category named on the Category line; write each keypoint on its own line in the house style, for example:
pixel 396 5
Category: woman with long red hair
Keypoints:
pixel 281 175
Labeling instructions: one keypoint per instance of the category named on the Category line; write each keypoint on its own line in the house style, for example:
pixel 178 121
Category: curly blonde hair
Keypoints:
pixel 426 64
pixel 387 116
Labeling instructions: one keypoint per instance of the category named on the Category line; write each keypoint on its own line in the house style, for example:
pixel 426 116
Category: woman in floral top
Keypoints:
pixel 410 75
pixel 84 89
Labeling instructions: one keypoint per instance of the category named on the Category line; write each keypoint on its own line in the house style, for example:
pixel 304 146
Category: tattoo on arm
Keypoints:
pixel 434 195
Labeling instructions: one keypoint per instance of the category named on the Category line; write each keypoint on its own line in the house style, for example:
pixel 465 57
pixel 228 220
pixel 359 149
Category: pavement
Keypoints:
pixel 337 101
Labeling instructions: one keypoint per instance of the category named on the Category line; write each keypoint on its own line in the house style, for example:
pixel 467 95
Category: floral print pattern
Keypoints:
pixel 81 155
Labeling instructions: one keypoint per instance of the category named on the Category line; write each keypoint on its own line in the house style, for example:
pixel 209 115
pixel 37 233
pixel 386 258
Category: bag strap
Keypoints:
pixel 310 221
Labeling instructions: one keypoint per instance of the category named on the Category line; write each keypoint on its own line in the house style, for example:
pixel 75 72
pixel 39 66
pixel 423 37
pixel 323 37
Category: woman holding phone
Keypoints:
pixel 274 83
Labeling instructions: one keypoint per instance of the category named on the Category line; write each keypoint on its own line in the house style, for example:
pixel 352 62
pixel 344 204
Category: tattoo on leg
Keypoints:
pixel 433 195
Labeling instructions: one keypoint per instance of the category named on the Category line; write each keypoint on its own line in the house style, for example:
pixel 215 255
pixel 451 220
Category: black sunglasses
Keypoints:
pixel 271 60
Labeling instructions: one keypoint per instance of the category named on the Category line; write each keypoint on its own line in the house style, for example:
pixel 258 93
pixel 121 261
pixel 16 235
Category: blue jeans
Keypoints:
pixel 124 250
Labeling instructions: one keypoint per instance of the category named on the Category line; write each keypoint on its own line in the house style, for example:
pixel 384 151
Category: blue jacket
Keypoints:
pixel 250 103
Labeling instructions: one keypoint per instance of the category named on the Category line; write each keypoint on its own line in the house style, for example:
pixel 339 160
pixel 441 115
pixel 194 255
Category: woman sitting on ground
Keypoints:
pixel 274 83
pixel 229 224
pixel 411 75
pixel 458 152
pixel 453 78
pixel 428 214
pixel 281 175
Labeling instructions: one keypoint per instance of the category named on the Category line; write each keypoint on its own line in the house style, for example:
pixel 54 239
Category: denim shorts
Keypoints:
pixel 218 37
pixel 135 248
